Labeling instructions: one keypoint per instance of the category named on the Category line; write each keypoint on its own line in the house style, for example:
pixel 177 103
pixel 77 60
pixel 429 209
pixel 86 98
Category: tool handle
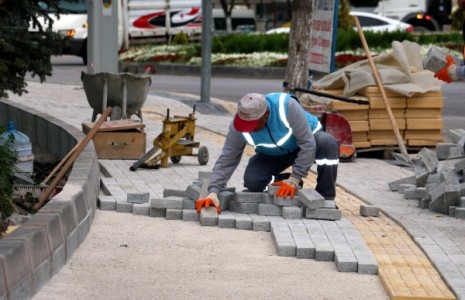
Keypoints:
pixel 340 98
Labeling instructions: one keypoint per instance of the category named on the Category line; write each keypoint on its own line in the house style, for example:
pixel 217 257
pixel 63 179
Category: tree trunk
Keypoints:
pixel 299 41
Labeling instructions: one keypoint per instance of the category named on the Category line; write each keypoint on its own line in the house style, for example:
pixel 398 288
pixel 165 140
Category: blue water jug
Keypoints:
pixel 21 142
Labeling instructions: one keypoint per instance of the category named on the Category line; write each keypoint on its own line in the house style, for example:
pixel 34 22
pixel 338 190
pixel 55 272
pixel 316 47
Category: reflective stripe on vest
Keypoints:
pixel 325 161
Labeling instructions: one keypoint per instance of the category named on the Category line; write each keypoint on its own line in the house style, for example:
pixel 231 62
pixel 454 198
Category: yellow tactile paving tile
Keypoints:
pixel 404 270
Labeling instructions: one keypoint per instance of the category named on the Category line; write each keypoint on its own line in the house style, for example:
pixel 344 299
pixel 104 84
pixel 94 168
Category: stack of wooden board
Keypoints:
pixel 418 118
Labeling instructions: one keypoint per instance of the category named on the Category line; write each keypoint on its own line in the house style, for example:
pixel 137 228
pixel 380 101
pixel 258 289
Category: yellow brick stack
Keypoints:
pixel 418 118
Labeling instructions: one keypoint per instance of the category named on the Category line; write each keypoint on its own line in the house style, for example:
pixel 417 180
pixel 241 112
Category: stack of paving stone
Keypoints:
pixel 439 180
pixel 303 227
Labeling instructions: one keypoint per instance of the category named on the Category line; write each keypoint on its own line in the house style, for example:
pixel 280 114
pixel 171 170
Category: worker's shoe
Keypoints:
pixel 284 176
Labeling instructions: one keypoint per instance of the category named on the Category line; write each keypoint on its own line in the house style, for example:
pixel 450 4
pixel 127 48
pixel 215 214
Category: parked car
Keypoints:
pixel 368 21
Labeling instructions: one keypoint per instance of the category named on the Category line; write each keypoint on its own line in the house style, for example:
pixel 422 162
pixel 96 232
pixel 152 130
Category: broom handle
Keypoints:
pixel 73 157
pixel 403 150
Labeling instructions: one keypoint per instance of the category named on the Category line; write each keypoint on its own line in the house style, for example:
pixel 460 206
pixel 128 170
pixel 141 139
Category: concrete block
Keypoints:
pixel 323 249
pixel 369 210
pixel 260 223
pixel 323 214
pixel 292 212
pixel 403 187
pixel 269 209
pixel 462 201
pixel 462 189
pixel 138 198
pixel 193 191
pixel 424 203
pixel 456 152
pixel 83 229
pixel 451 196
pixel 141 209
pixel 106 202
pixel 343 255
pixel 123 206
pixel 225 199
pixel 188 203
pixel 460 213
pixel 286 201
pixel 227 220
pixel 177 193
pixel 394 185
pixel 459 166
pixel 442 150
pixel 16 277
pixel 311 198
pixel 72 243
pixel 304 245
pixel 283 240
pixel 452 211
pixel 190 215
pixel 173 202
pixel 243 221
pixel 449 176
pixel 52 226
pixel 434 178
pixel 173 214
pixel 244 208
pixel 58 259
pixel 209 216
pixel 415 193
pixel 250 197
pixel 157 212
pixel 429 159
pixel 437 199
pixel 421 175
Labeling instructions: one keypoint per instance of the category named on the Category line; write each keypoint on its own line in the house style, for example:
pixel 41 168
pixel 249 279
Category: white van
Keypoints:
pixel 243 20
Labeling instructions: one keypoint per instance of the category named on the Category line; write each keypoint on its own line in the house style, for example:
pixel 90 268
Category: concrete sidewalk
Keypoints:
pixel 127 256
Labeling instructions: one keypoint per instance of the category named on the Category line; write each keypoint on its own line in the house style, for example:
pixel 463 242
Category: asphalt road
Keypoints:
pixel 67 70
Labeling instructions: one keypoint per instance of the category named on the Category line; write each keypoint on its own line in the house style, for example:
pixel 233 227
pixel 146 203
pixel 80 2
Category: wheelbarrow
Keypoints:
pixel 175 141
pixel 124 90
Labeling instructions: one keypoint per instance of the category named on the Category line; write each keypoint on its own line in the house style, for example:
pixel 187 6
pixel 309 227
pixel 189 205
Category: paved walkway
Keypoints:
pixel 420 254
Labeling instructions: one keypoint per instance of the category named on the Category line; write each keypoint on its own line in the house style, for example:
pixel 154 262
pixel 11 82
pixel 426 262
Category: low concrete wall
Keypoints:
pixel 33 253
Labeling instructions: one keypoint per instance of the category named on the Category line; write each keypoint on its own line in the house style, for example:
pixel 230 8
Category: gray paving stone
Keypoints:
pixel 282 237
pixel 123 206
pixel 260 223
pixel 250 197
pixel 17 268
pixel 141 209
pixel 369 210
pixel 462 201
pixel 331 214
pixel 204 175
pixel 190 215
pixel 459 213
pixel 269 209
pixel 311 198
pixel 415 193
pixel 343 255
pixel 323 249
pixel 244 208
pixel 157 212
pixel 188 203
pixel 173 214
pixel 442 150
pixel 225 198
pixel 286 201
pixel 395 185
pixel 429 159
pixel 304 245
pixel 177 193
pixel 292 212
pixel 107 202
pixel 243 221
pixel 227 220
pixel 208 216
pixel 138 198
pixel 168 202
pixel 193 191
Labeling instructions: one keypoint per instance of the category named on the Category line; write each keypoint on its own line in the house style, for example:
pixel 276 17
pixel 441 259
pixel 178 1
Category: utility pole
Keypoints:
pixel 207 33
pixel 102 47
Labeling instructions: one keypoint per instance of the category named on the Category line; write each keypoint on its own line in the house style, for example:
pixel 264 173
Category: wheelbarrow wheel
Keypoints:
pixel 203 155
pixel 175 159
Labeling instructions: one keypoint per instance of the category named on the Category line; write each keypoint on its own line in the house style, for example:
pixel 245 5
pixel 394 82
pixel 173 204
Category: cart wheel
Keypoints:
pixel 175 159
pixel 203 155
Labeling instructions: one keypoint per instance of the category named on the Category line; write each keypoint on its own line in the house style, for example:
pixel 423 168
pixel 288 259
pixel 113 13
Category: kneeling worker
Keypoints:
pixel 284 135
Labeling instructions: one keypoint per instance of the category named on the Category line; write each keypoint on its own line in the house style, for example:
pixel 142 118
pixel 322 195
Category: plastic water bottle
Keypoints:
pixel 21 142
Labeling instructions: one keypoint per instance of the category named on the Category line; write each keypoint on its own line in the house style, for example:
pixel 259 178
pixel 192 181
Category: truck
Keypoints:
pixel 140 21
pixel 423 15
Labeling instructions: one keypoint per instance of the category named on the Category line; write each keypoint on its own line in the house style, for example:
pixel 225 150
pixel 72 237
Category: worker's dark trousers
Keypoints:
pixel 262 168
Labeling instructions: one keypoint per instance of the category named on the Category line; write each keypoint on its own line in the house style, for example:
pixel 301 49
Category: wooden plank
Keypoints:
pixel 399 113
pixel 115 125
pixel 358 126
pixel 382 134
pixel 394 102
pixel 423 142
pixel 428 94
pixel 423 113
pixel 374 91
pixel 384 142
pixel 385 124
pixel 361 136
pixel 355 115
pixel 422 124
pixel 423 134
pixel 361 144
pixel 341 106
pixel 425 102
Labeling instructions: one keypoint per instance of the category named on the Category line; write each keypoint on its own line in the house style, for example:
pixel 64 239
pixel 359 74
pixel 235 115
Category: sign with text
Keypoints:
pixel 323 36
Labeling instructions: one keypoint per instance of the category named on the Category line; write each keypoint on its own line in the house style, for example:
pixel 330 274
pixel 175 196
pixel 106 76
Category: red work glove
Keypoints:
pixel 447 73
pixel 287 187
pixel 211 199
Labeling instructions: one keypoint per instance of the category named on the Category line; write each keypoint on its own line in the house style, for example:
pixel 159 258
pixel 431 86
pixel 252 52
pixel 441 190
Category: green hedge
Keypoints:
pixel 345 40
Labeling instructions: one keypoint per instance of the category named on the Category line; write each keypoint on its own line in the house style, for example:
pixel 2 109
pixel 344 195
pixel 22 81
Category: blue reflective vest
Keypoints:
pixel 279 139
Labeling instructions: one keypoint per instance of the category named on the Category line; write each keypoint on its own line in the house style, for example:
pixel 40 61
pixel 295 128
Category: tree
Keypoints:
pixel 22 51
pixel 227 9
pixel 299 36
